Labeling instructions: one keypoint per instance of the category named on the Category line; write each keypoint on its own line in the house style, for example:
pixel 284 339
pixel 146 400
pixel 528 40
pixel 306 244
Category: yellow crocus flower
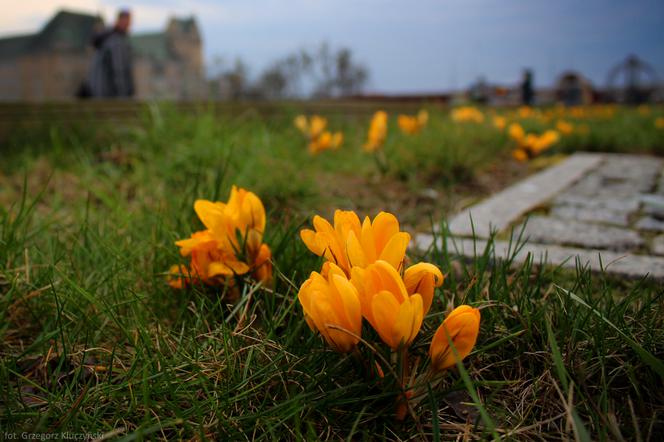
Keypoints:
pixel 232 243
pixel 326 141
pixel 544 141
pixel 316 126
pixel 525 112
pixel 520 155
pixel 499 122
pixel 467 114
pixel 423 278
pixel 350 243
pixel 461 327
pixel 386 304
pixel 302 124
pixel 408 124
pixel 423 117
pixel 377 132
pixel 331 305
pixel 516 132
pixel 564 127
pixel 659 123
pixel 413 124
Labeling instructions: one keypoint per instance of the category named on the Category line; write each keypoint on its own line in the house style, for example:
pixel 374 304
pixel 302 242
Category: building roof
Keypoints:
pixel 68 31
pixel 12 47
pixel 153 45
pixel 73 31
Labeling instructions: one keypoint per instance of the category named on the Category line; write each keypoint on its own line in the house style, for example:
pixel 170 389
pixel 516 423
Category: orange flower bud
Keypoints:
pixel 461 327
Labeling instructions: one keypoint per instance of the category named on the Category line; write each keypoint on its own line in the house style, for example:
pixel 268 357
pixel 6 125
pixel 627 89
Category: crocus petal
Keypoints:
pixel 346 221
pixel 385 309
pixel 385 276
pixel 408 320
pixel 385 225
pixel 211 214
pixel 227 268
pixel 395 249
pixel 309 238
pixel 332 307
pixel 422 278
pixel 322 225
pixel 356 255
pixel 198 239
pixel 358 276
pixel 350 303
pixel 461 327
pixel 368 241
pixel 262 264
pixel 253 212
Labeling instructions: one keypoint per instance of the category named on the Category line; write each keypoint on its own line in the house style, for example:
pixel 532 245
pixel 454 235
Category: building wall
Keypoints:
pixel 11 81
pixel 58 75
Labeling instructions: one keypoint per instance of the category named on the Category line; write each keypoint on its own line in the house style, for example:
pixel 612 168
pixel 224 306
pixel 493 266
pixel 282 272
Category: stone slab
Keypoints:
pixel 621 264
pixel 544 229
pixel 657 245
pixel 598 202
pixel 653 205
pixel 620 176
pixel 499 211
pixel 595 215
pixel 650 224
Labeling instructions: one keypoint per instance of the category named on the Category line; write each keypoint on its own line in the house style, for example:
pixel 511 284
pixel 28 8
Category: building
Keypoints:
pixel 53 63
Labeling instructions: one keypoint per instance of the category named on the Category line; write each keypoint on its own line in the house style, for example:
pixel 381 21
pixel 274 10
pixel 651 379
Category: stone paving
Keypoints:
pixel 604 210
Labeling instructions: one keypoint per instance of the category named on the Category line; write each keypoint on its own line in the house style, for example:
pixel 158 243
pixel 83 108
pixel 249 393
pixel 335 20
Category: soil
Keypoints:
pixel 417 206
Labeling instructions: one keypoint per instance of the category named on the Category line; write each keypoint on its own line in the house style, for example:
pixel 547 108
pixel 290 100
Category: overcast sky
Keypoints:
pixel 420 45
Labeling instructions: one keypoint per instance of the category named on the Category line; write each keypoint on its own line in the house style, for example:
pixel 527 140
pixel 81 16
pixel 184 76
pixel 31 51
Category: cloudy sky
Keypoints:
pixel 422 45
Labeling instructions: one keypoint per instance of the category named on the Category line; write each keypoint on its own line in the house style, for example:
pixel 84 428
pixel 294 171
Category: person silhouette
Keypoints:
pixel 111 74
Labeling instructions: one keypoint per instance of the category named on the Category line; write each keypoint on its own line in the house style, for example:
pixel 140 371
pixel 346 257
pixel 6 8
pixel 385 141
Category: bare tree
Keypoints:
pixel 229 82
pixel 321 73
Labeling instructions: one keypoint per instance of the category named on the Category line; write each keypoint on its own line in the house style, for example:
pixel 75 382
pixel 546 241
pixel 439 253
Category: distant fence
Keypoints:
pixel 23 116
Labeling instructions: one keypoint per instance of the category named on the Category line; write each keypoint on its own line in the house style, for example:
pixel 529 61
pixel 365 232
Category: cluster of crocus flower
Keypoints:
pixel 564 127
pixel 530 145
pixel 319 138
pixel 377 132
pixel 659 123
pixel 231 244
pixel 499 122
pixel 365 276
pixel 412 124
pixel 467 114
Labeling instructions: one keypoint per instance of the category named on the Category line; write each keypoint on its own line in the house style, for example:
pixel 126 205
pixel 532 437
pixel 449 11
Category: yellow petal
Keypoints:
pixel 368 241
pixel 346 221
pixel 386 277
pixel 461 327
pixel 253 212
pixel 395 249
pixel 309 238
pixel 198 239
pixel 356 256
pixel 351 303
pixel 230 267
pixel 358 280
pixel 322 225
pixel 211 214
pixel 408 320
pixel 418 316
pixel 385 225
pixel 301 123
pixel 385 309
pixel 422 278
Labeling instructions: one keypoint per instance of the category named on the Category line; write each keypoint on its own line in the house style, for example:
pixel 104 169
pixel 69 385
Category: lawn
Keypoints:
pixel 95 341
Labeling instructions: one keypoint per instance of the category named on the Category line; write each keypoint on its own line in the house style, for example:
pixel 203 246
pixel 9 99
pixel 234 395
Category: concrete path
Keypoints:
pixel 604 210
